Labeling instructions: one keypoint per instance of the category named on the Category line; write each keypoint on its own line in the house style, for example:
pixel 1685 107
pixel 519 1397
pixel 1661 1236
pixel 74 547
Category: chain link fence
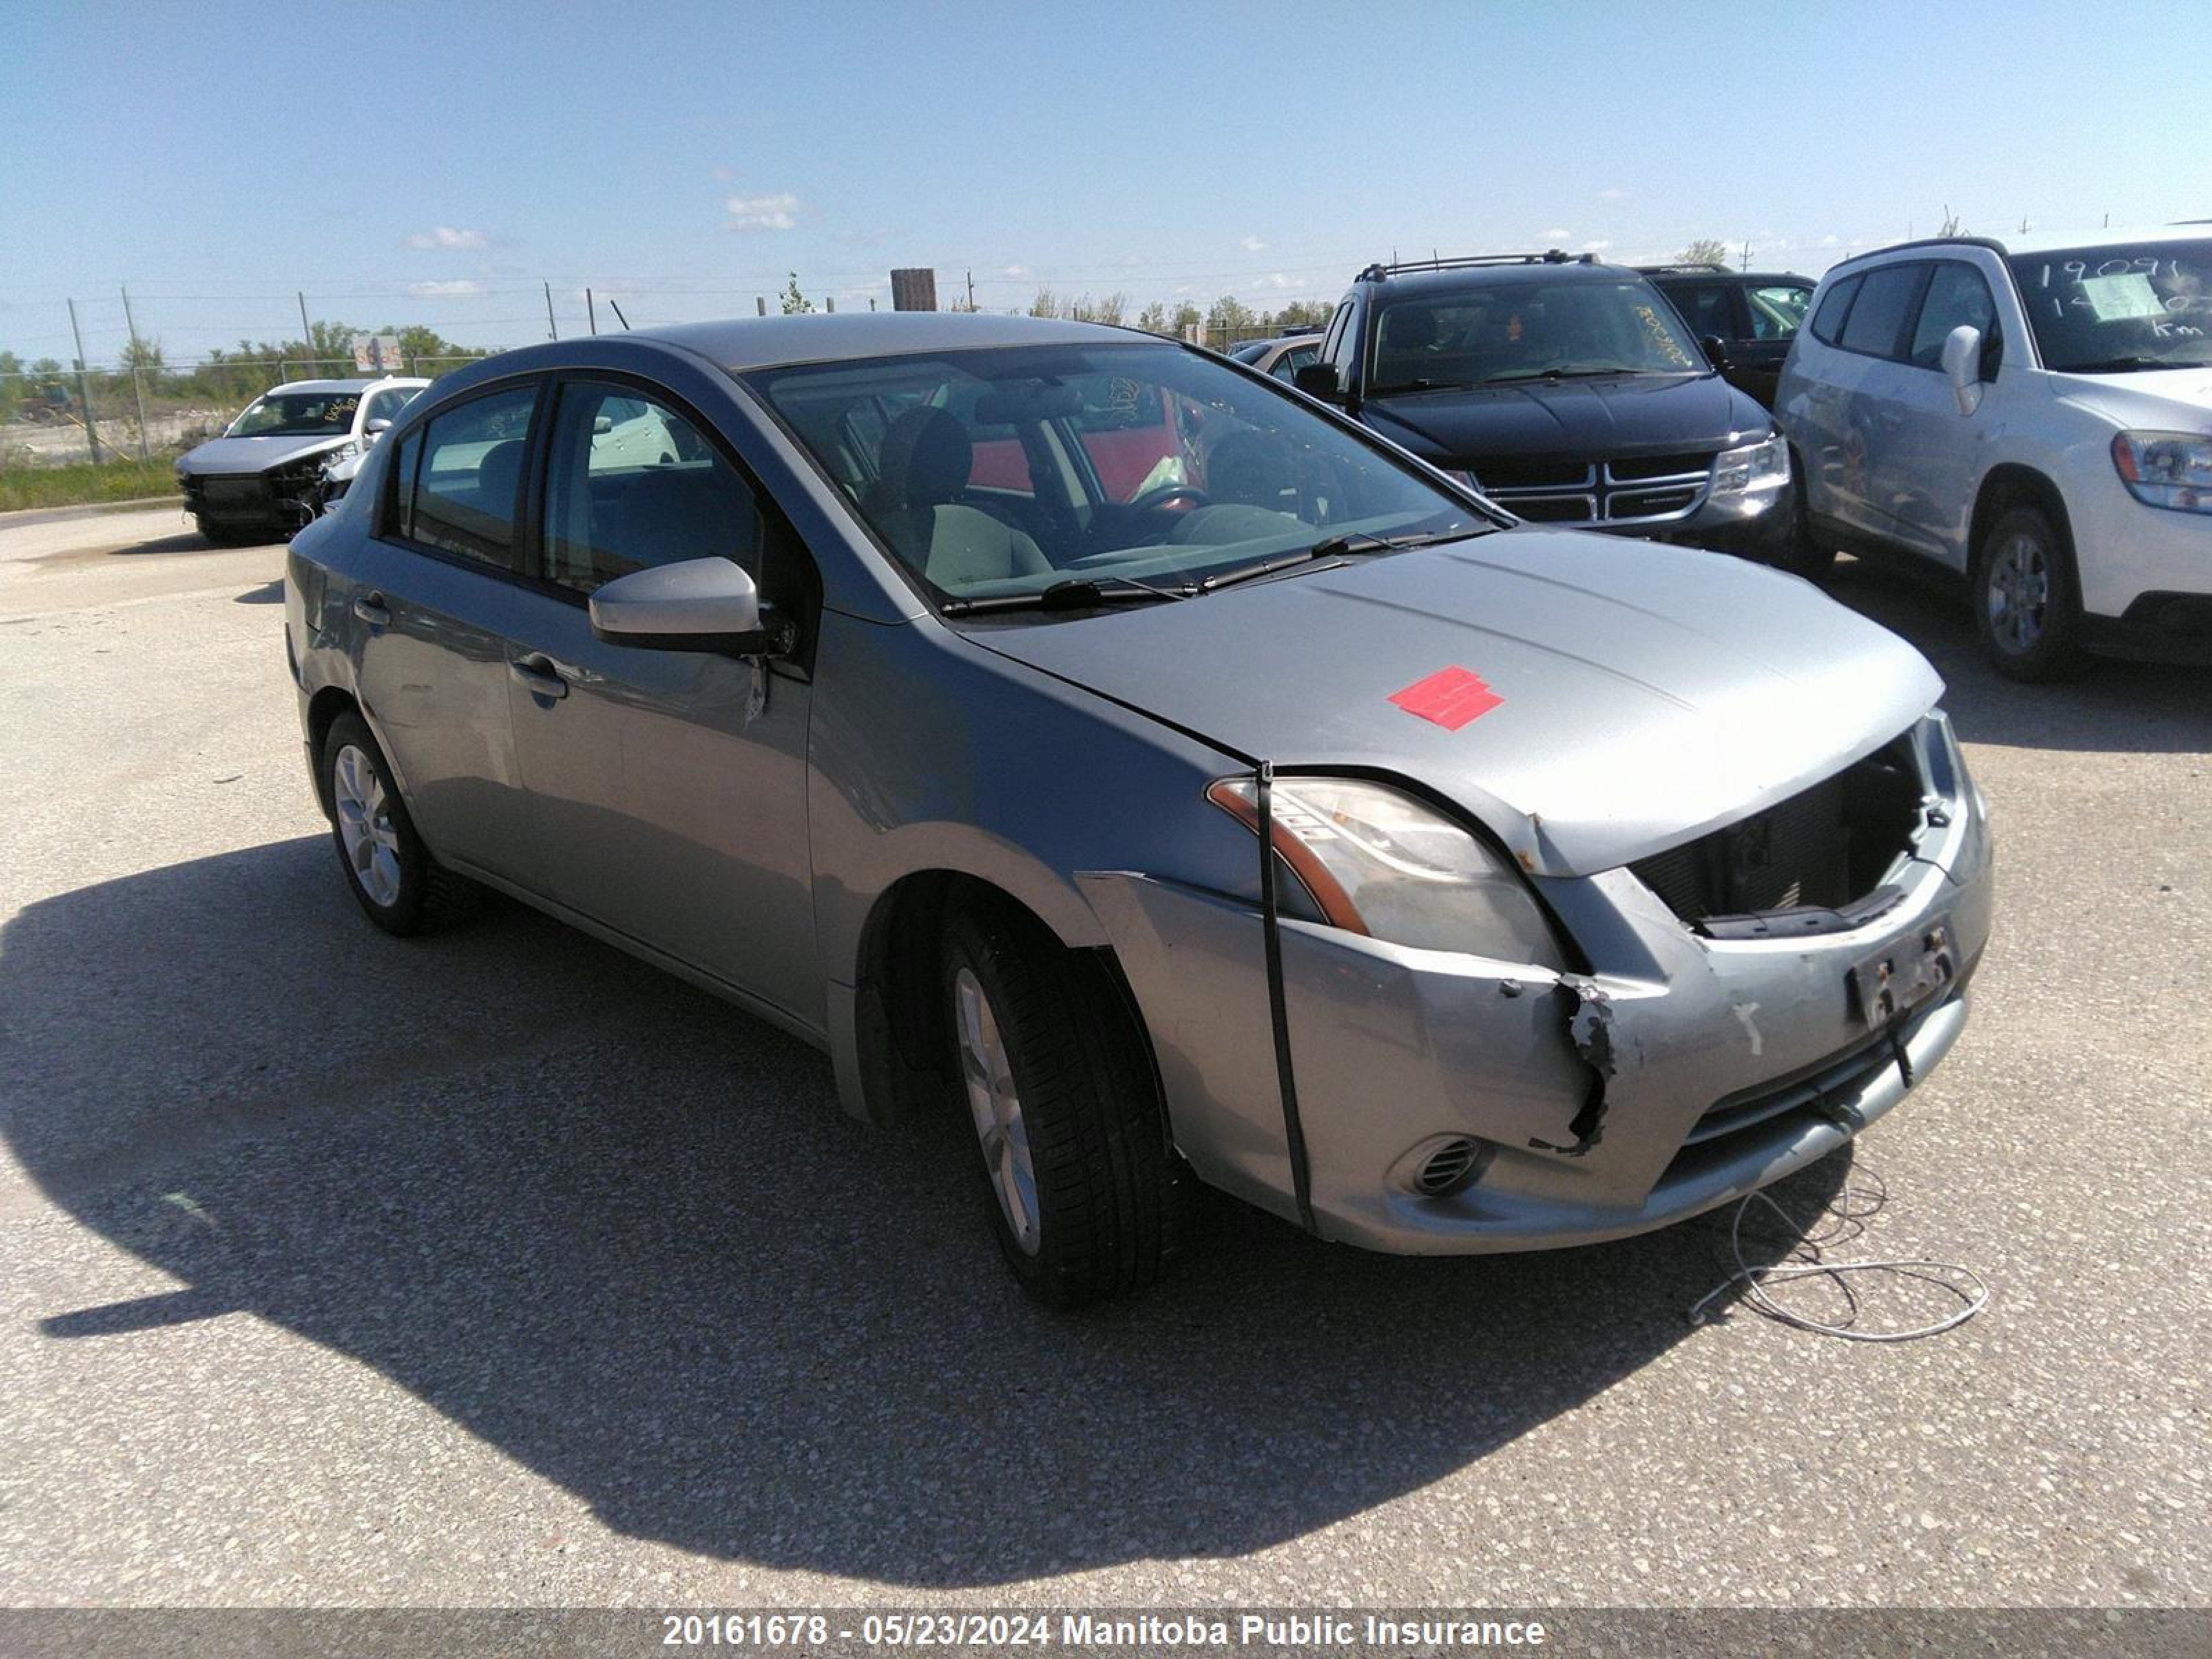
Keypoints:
pixel 59 416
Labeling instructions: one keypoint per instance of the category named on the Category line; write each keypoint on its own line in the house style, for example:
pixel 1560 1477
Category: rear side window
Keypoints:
pixel 1876 325
pixel 1956 294
pixel 461 477
pixel 1828 320
pixel 1707 307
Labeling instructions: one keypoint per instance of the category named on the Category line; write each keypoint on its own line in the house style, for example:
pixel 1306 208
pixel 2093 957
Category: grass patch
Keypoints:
pixel 81 481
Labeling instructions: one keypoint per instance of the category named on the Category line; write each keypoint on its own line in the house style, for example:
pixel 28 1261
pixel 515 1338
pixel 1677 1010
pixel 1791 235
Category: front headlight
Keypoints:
pixel 2166 468
pixel 1378 862
pixel 1762 465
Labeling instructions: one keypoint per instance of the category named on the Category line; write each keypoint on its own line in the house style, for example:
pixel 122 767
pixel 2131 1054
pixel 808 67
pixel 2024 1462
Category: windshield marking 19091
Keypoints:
pixel 2115 310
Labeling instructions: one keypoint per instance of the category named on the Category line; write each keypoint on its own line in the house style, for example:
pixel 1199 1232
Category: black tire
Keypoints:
pixel 1114 1203
pixel 427 895
pixel 1799 552
pixel 2024 569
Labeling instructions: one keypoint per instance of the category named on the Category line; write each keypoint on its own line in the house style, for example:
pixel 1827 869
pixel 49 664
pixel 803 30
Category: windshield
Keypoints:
pixel 298 415
pixel 1143 471
pixel 2112 310
pixel 1526 330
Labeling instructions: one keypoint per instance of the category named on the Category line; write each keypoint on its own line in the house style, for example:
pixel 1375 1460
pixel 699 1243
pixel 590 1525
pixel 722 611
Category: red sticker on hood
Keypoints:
pixel 1450 697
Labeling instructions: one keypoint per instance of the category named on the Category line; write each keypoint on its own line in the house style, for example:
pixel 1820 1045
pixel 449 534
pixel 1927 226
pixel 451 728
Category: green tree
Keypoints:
pixel 1187 316
pixel 795 303
pixel 1153 318
pixel 1047 304
pixel 1304 314
pixel 1229 317
pixel 1705 251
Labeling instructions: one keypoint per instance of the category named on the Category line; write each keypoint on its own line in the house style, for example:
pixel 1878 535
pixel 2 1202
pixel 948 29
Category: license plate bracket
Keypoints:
pixel 1889 983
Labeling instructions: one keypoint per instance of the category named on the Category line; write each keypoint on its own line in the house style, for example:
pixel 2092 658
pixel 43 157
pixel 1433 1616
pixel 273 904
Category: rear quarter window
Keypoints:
pixel 1827 323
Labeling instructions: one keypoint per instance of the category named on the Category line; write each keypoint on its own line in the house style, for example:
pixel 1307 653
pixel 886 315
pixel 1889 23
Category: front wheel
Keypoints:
pixel 399 885
pixel 1087 1197
pixel 2026 606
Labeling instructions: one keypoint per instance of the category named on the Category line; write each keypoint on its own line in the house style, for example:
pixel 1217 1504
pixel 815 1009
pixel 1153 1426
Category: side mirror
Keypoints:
pixel 1962 366
pixel 699 604
pixel 1319 381
pixel 602 424
pixel 1716 352
pixel 377 426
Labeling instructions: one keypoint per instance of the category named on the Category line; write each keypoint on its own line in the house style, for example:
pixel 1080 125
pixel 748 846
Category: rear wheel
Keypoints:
pixel 2025 597
pixel 399 885
pixel 1087 1198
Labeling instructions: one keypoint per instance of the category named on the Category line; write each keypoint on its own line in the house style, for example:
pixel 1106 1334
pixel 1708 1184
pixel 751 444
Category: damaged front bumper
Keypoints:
pixel 1682 1071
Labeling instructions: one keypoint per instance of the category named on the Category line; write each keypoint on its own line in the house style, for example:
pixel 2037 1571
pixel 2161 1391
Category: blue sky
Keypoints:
pixel 683 157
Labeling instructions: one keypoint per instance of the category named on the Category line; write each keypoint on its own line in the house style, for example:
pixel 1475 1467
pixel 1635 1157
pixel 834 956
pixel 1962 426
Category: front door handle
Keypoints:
pixel 538 672
pixel 370 609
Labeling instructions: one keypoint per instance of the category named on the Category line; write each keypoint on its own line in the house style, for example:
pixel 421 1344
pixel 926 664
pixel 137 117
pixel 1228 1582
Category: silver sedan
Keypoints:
pixel 1083 735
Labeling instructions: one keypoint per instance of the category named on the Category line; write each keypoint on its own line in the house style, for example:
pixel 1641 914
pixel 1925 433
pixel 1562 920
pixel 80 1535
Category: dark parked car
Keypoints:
pixel 1754 314
pixel 1566 390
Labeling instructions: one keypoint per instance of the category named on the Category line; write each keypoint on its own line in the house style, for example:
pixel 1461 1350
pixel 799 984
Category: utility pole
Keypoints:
pixel 971 290
pixel 1746 265
pixel 591 311
pixel 306 333
pixel 137 391
pixel 552 328
pixel 83 390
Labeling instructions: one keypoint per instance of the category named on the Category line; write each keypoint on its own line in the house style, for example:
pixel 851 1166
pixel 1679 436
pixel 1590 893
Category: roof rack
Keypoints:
pixel 1549 257
pixel 1686 264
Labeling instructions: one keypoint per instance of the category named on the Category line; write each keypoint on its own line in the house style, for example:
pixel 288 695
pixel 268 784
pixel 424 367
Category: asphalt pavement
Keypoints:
pixel 499 1268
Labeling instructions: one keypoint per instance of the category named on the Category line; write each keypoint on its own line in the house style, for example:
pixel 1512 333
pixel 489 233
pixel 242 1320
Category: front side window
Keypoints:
pixel 387 404
pixel 1876 325
pixel 297 414
pixel 1777 309
pixel 1155 468
pixel 1529 330
pixel 459 477
pixel 630 483
pixel 1287 366
pixel 2118 310
pixel 1957 296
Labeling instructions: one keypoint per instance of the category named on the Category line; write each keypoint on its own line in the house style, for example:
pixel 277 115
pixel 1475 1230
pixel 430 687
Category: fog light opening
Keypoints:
pixel 1439 1167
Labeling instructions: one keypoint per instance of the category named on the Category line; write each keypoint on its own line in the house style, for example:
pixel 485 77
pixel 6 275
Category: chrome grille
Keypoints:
pixel 1636 489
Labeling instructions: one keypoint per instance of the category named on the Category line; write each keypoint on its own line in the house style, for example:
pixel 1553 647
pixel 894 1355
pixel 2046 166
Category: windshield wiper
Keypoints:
pixel 1076 593
pixel 1418 385
pixel 1570 374
pixel 1366 541
pixel 2123 365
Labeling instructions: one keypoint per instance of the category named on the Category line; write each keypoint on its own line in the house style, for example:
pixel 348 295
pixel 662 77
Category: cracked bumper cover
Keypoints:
pixel 1681 1073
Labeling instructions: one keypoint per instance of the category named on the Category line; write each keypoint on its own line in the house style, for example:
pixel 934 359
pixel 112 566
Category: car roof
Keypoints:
pixel 739 344
pixel 2046 241
pixel 1663 275
pixel 362 384
pixel 1458 279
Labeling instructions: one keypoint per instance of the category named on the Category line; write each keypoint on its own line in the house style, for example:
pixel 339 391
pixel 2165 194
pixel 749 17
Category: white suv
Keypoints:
pixel 2035 413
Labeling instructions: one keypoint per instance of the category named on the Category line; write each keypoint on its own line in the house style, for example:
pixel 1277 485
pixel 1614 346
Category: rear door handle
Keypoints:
pixel 538 672
pixel 371 610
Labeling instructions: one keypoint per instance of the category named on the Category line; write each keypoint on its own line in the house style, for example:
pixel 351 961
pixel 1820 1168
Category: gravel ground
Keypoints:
pixel 499 1269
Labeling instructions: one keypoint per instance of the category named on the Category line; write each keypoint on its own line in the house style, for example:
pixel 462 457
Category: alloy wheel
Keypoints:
pixel 2018 593
pixel 995 1106
pixel 365 827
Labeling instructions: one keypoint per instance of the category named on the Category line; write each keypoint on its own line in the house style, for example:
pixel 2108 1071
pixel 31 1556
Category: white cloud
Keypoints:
pixel 1557 235
pixel 1611 193
pixel 1595 247
pixel 1252 245
pixel 445 236
pixel 1828 241
pixel 1276 279
pixel 778 211
pixel 724 174
pixel 1018 270
pixel 452 290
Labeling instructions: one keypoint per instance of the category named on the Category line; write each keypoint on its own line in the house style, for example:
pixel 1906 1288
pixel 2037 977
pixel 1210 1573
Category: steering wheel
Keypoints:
pixel 1160 494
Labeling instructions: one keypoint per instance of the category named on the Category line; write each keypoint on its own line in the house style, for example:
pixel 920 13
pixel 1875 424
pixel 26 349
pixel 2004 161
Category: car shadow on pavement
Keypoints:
pixel 622 1233
pixel 2123 706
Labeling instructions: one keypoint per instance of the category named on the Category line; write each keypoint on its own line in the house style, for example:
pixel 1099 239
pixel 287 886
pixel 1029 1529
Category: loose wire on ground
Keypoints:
pixel 1850 1210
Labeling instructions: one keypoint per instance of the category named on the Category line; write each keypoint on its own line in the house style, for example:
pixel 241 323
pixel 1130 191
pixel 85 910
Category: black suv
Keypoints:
pixel 1754 314
pixel 1567 390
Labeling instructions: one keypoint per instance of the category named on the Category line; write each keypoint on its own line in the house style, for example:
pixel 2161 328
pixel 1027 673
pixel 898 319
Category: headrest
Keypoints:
pixel 925 458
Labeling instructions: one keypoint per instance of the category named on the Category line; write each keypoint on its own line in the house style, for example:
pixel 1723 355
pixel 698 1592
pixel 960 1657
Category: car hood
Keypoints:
pixel 2175 400
pixel 1644 694
pixel 1625 415
pixel 235 455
